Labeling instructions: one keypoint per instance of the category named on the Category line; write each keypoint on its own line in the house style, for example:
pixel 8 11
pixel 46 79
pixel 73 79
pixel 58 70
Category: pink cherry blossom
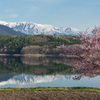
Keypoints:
pixel 88 54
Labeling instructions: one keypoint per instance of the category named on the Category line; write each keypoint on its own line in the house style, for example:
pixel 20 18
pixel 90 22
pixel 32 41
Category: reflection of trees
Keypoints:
pixel 86 69
pixel 38 66
pixel 4 60
pixel 46 60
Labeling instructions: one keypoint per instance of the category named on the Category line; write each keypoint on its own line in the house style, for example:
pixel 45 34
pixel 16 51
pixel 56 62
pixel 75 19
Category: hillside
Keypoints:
pixel 9 31
pixel 33 44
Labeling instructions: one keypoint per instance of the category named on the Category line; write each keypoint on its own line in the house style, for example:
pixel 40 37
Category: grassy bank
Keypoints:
pixel 88 89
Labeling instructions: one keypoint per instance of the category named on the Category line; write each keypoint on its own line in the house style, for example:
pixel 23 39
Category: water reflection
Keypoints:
pixel 34 65
pixel 43 71
pixel 45 60
pixel 24 80
pixel 87 69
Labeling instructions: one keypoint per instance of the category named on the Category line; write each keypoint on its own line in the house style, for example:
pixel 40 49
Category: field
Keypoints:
pixel 39 93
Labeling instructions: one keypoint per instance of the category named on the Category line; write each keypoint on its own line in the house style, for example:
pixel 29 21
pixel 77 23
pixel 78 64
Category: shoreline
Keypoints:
pixel 89 89
pixel 21 55
pixel 36 55
pixel 27 55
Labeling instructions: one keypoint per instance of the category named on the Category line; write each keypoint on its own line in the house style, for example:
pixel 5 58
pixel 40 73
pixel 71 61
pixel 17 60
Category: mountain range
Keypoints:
pixel 30 28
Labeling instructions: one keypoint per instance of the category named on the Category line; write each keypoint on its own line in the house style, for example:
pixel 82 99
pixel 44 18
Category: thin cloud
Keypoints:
pixel 13 15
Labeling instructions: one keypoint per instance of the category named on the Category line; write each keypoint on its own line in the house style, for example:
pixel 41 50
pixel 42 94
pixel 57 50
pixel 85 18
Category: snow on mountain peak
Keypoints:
pixel 30 28
pixel 3 23
pixel 74 29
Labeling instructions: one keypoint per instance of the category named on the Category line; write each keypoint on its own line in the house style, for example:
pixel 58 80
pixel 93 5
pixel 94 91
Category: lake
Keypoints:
pixel 50 71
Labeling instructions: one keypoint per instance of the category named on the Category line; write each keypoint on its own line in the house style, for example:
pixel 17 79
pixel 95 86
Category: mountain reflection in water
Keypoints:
pixel 24 80
pixel 41 71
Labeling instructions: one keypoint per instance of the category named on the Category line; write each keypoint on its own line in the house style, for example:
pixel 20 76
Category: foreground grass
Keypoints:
pixel 89 89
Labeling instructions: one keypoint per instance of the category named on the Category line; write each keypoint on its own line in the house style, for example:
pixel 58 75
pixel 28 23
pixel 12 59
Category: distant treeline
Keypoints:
pixel 14 44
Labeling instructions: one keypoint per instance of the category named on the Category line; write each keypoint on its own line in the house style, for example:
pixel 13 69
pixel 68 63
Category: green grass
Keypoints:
pixel 89 89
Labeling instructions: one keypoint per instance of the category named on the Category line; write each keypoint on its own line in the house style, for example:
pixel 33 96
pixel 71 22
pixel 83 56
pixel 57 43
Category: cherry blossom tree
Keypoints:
pixel 88 53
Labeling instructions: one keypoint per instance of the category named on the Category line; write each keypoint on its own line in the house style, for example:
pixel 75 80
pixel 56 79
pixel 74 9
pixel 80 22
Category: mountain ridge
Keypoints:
pixel 31 28
pixel 5 30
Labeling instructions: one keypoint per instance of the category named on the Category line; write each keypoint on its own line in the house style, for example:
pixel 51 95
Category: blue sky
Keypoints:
pixel 78 14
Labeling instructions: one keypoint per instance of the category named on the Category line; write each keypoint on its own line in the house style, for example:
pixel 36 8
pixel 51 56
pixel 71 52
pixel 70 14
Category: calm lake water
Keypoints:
pixel 41 72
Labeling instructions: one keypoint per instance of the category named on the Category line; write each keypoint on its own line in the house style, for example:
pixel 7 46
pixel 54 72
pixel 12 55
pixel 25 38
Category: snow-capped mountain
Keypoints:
pixel 30 28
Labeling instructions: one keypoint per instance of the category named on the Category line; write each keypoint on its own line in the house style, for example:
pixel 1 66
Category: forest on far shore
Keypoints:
pixel 34 44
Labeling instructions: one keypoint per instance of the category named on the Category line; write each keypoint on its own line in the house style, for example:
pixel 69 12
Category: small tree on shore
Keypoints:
pixel 88 53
